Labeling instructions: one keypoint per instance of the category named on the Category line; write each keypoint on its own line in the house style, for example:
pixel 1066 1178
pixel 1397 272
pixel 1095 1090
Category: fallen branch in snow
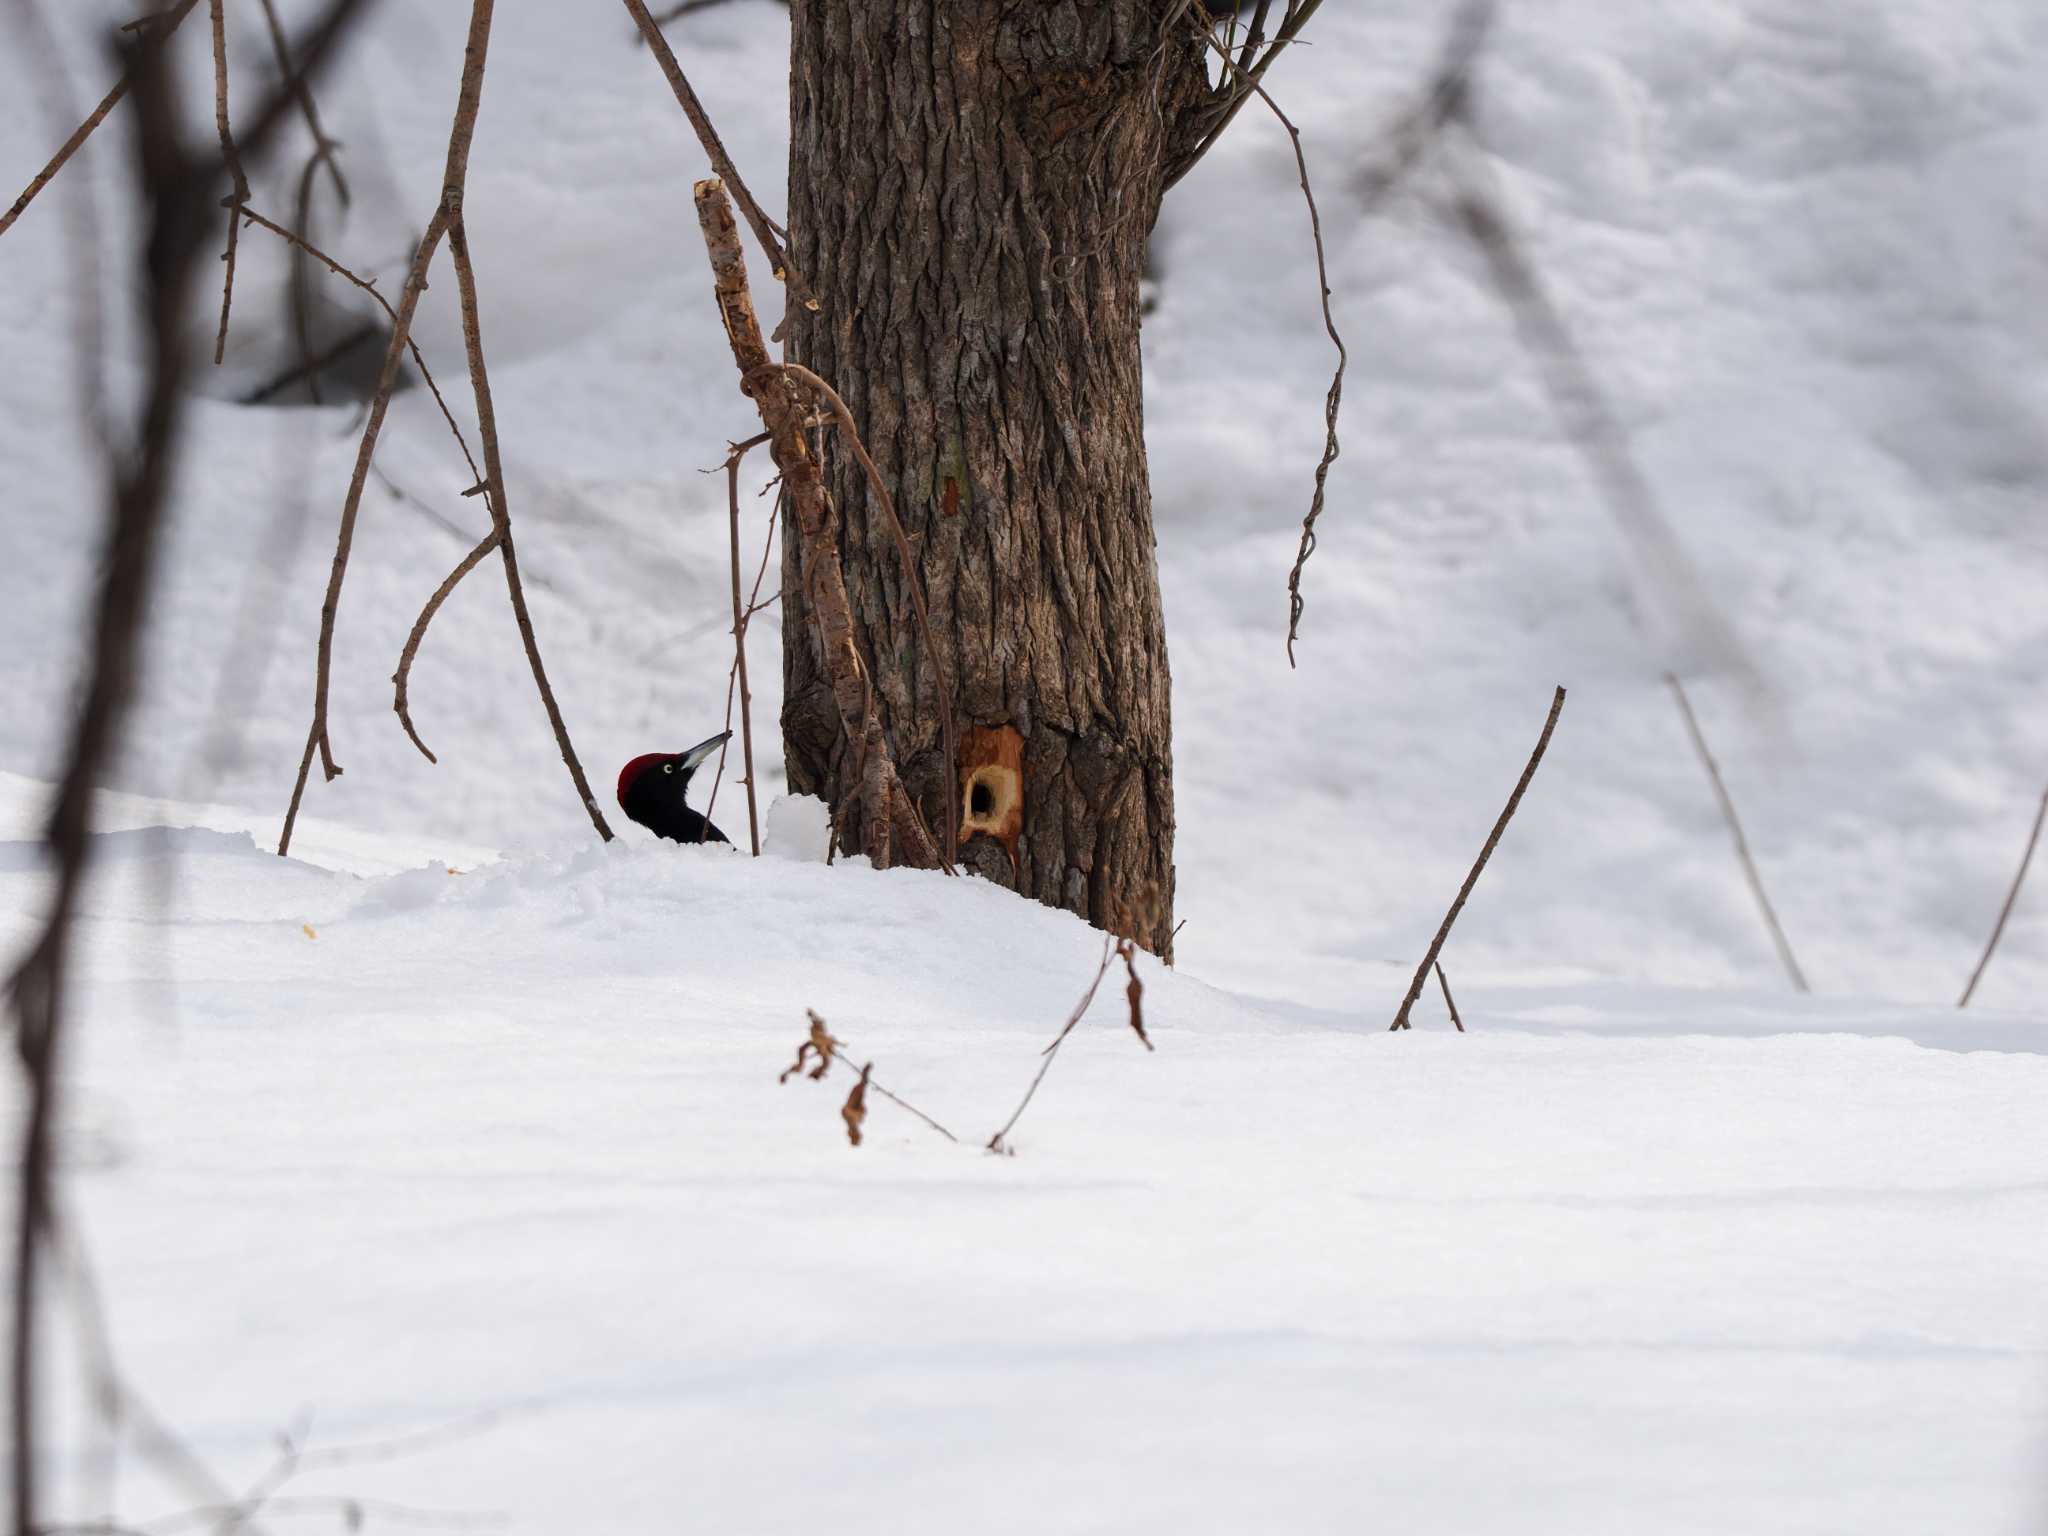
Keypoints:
pixel 828 1048
pixel 175 184
pixel 1727 803
pixel 742 615
pixel 1492 840
pixel 446 223
pixel 1444 982
pixel 764 228
pixel 891 818
pixel 2011 896
pixel 1111 946
pixel 155 30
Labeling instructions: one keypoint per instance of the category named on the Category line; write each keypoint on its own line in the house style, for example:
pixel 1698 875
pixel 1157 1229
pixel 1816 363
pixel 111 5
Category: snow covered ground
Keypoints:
pixel 504 1153
pixel 1656 1246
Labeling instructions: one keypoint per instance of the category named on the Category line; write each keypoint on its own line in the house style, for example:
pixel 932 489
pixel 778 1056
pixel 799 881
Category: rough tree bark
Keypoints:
pixel 972 184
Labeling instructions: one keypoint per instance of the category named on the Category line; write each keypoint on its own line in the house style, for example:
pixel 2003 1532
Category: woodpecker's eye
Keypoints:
pixel 668 767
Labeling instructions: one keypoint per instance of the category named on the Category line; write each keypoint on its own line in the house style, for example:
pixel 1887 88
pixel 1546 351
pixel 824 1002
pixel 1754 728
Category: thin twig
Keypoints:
pixel 453 178
pixel 721 162
pixel 1444 982
pixel 403 676
pixel 501 507
pixel 1492 840
pixel 152 39
pixel 380 402
pixel 736 452
pixel 775 392
pixel 739 652
pixel 233 159
pixel 1334 398
pixel 828 1048
pixel 1241 79
pixel 2011 896
pixel 1581 405
pixel 301 288
pixel 949 742
pixel 1727 802
pixel 999 1142
pixel 323 146
pixel 369 286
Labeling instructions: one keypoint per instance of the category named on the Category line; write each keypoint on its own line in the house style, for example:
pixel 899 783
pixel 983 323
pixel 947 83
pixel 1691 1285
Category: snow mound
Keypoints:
pixel 1699 1259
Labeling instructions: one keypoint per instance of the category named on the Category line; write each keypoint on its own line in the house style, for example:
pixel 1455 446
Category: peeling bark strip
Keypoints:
pixel 891 825
pixel 972 183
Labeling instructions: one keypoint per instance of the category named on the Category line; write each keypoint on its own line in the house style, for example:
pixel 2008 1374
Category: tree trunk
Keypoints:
pixel 972 184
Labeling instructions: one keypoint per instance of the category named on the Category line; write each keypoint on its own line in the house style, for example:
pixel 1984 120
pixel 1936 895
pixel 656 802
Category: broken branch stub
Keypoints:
pixel 891 823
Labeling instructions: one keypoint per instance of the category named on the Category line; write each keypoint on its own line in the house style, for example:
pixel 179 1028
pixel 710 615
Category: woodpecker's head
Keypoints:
pixel 653 786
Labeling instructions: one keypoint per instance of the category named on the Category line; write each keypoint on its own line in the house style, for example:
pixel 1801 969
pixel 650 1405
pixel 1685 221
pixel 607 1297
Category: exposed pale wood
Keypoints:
pixel 891 827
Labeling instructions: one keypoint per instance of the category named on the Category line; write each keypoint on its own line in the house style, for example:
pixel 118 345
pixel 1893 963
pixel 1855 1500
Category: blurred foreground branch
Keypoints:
pixel 1727 803
pixel 176 187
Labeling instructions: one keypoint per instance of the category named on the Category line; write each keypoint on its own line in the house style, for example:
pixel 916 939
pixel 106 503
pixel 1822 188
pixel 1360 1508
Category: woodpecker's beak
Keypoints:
pixel 704 749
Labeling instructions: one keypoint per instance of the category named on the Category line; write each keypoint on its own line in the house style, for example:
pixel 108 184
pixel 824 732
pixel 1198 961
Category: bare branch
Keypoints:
pixel 828 1048
pixel 948 737
pixel 721 162
pixel 369 286
pixel 323 146
pixel 1112 946
pixel 1249 81
pixel 1444 982
pixel 501 507
pixel 403 676
pixel 741 613
pixel 1583 412
pixel 175 184
pixel 1492 841
pixel 1242 77
pixel 2011 896
pixel 152 39
pixel 1727 803
pixel 233 159
pixel 446 222
pixel 890 814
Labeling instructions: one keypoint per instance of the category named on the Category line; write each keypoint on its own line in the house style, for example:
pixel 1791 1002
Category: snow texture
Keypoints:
pixel 458 1122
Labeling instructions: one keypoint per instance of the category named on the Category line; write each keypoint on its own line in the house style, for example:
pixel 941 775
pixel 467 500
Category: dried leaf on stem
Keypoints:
pixel 826 1048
